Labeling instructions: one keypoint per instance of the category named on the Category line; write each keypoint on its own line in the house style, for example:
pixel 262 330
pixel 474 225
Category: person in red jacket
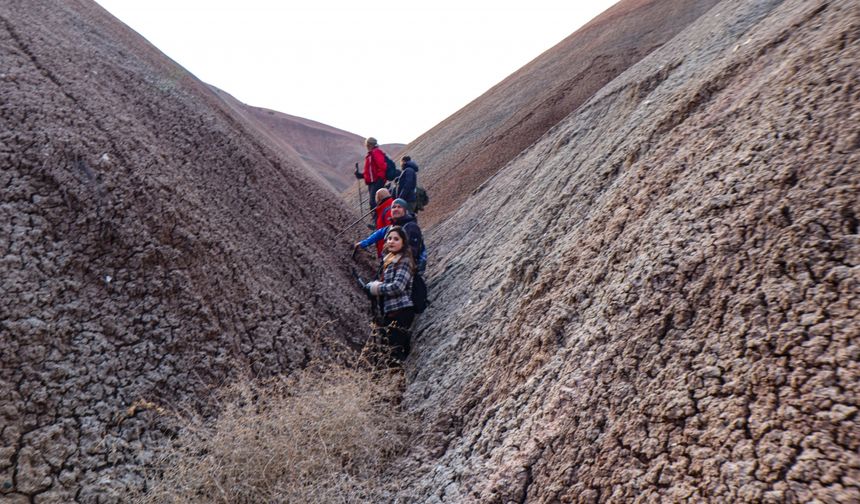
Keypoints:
pixel 383 214
pixel 374 168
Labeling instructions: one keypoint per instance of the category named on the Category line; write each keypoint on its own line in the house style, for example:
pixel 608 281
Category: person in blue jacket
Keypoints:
pixel 407 182
pixel 401 216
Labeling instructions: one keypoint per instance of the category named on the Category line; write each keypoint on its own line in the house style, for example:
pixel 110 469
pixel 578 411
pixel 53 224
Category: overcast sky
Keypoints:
pixel 386 68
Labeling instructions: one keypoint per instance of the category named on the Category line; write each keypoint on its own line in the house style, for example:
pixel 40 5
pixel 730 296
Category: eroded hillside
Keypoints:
pixel 466 149
pixel 658 301
pixel 329 152
pixel 152 247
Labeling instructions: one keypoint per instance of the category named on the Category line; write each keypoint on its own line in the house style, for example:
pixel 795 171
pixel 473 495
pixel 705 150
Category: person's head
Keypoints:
pixel 404 160
pixel 382 195
pixel 395 240
pixel 370 143
pixel 398 208
pixel 397 248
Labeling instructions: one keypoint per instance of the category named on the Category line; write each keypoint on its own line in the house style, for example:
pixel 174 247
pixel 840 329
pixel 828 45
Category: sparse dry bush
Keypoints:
pixel 322 435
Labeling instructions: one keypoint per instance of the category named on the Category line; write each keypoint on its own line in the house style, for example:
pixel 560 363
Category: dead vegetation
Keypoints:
pixel 324 434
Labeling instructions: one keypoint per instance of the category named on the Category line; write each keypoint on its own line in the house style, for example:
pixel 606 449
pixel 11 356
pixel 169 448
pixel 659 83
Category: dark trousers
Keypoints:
pixel 397 333
pixel 372 188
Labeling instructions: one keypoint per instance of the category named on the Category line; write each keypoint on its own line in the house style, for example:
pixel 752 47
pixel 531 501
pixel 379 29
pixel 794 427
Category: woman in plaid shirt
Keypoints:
pixel 395 288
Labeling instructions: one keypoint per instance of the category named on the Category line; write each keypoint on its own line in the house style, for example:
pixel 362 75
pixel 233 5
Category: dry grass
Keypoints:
pixel 325 434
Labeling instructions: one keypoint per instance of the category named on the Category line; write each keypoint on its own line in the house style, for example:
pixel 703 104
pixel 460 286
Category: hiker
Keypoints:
pixel 407 181
pixel 374 168
pixel 394 286
pixel 383 214
pixel 400 216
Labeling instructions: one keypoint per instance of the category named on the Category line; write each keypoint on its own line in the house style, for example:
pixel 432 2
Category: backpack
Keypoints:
pixel 419 294
pixel 421 199
pixel 391 171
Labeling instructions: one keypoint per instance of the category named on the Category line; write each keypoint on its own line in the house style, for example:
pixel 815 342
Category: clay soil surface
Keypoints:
pixel 679 321
pixel 153 245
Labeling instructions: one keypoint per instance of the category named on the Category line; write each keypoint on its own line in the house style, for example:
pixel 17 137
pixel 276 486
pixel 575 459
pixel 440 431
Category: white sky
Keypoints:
pixel 384 68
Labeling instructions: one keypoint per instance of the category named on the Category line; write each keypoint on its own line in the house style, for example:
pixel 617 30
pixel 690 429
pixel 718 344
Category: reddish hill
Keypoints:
pixel 325 150
pixel 462 152
pixel 656 300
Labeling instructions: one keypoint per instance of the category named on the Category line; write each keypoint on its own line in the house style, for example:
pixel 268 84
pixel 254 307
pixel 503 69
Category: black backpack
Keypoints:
pixel 419 294
pixel 421 199
pixel 391 171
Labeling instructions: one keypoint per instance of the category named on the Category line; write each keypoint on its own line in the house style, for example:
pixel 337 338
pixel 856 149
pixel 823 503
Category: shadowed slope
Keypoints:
pixel 681 320
pixel 466 149
pixel 152 247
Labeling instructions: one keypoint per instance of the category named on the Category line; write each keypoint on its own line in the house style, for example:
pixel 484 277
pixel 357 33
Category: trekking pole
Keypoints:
pixel 342 231
pixel 375 309
pixel 358 188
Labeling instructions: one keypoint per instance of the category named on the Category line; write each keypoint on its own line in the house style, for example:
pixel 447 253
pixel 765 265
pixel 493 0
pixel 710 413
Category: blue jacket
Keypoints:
pixel 416 240
pixel 407 182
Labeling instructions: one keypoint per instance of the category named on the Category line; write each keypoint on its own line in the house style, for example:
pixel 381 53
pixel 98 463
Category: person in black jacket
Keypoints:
pixel 407 182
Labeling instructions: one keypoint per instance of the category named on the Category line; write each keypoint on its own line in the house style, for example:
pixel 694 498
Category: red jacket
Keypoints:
pixel 383 219
pixel 374 166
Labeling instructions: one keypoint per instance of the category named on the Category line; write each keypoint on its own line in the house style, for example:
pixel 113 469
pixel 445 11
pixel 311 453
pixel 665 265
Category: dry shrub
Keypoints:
pixel 322 435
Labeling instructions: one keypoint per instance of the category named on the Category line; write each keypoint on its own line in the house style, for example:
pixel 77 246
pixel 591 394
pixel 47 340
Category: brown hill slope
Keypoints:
pixel 463 151
pixel 152 246
pixel 325 150
pixel 669 313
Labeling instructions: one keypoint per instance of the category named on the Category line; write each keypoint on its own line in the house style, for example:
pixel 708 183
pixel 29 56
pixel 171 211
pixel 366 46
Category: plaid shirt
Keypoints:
pixel 396 288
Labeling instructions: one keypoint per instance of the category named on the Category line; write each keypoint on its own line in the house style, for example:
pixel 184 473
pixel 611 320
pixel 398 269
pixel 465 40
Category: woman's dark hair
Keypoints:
pixel 406 251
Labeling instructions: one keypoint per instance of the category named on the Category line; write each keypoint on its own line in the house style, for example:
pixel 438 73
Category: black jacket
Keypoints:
pixel 407 182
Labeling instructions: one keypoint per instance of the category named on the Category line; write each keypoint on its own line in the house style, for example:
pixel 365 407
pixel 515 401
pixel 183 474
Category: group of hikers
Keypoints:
pixel 398 291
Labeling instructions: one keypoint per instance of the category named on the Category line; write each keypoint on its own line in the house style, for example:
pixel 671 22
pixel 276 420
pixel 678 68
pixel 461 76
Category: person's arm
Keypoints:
pixel 416 241
pixel 397 285
pixel 422 262
pixel 373 238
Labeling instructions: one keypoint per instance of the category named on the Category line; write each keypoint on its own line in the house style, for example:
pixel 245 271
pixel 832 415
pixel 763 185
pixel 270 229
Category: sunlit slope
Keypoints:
pixel 658 300
pixel 463 151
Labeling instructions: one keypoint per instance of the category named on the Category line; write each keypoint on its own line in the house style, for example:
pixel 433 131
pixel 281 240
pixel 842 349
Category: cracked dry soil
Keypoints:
pixel 151 247
pixel 655 302
pixel 470 146
pixel 658 301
